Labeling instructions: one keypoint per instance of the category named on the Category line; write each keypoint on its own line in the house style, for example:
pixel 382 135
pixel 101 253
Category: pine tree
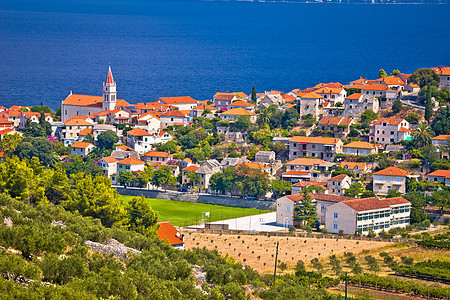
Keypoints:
pixel 397 106
pixel 382 73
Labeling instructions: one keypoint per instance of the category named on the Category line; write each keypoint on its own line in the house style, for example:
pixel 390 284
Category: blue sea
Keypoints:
pixel 196 48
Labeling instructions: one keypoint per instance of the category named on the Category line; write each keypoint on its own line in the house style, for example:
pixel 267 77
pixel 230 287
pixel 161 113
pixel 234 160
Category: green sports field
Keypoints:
pixel 187 213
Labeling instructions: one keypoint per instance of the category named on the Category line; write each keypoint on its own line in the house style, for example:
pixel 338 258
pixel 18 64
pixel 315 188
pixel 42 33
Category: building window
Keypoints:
pixel 288 208
pixel 335 215
pixel 335 226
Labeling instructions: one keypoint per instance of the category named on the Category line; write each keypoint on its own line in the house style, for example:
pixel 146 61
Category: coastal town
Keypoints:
pixel 351 182
pixel 357 150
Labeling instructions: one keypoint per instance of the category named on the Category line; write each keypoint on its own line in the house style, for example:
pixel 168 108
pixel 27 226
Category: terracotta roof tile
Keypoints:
pixel 166 231
pixel 393 171
pixel 440 173
pixel 191 168
pixel 109 159
pixel 362 145
pixel 81 145
pixel 174 113
pixel 157 154
pixel 339 177
pixel 238 112
pixel 390 121
pixel 240 103
pixel 177 100
pixel 138 132
pixel 442 137
pixel 373 203
pixel 306 161
pixel 131 161
pixel 315 140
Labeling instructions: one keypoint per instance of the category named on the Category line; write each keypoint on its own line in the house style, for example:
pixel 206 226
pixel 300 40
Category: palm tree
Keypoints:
pixel 422 136
pixel 263 117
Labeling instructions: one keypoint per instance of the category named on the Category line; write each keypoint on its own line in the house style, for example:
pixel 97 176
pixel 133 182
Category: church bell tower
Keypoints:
pixel 109 92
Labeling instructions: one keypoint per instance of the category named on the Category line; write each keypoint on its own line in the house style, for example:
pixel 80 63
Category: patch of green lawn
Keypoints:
pixel 181 213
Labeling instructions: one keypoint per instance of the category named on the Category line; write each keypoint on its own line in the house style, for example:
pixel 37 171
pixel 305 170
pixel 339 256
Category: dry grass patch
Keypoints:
pixel 259 251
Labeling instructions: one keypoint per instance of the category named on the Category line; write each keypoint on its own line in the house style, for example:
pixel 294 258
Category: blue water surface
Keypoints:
pixel 174 48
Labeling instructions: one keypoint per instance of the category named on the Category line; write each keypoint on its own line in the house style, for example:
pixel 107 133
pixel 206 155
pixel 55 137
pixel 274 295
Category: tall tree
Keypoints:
pixel 382 73
pixel 9 142
pixel 397 106
pixel 107 139
pixel 395 72
pixel 254 96
pixel 164 177
pixel 305 211
pixel 428 106
pixel 422 136
pixel 142 218
pixel 441 123
pixel 424 77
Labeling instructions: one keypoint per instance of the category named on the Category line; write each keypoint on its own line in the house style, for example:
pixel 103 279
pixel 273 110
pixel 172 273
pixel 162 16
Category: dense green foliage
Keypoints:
pixel 399 285
pixel 435 270
pixel 424 77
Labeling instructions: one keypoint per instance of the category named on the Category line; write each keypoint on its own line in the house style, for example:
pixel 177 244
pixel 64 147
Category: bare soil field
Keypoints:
pixel 258 251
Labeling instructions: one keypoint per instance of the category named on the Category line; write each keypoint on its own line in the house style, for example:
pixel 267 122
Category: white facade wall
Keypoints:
pixel 131 168
pixel 382 184
pixel 359 151
pixel 67 111
pixel 285 209
pixel 340 217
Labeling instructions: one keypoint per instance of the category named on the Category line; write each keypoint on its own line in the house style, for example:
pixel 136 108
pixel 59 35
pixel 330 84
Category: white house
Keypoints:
pixel 183 103
pixel 175 117
pixel 361 215
pixel 81 149
pixel 130 164
pixel 389 130
pixel 389 179
pixel 140 140
pixel 109 166
pixel 440 176
pixel 360 148
pixel 338 184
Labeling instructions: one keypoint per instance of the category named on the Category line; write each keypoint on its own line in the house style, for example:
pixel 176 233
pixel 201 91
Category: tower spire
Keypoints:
pixel 109 77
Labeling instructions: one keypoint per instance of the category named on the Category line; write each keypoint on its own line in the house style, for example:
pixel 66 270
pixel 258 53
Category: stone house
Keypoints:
pixel 183 103
pixel 442 144
pixel 358 168
pixel 157 156
pixel 271 99
pixel 207 168
pixel 175 117
pixel 130 164
pixel 357 103
pixel 338 125
pixel 310 103
pixel 444 74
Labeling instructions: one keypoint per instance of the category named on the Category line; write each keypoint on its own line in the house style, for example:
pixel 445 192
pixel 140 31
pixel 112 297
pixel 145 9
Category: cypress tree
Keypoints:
pixel 254 97
pixel 428 106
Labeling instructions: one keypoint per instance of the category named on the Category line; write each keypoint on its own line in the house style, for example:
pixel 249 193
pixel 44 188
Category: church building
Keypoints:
pixel 85 105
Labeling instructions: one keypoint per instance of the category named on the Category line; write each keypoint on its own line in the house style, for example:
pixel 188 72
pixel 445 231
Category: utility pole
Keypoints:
pixel 346 283
pixel 275 271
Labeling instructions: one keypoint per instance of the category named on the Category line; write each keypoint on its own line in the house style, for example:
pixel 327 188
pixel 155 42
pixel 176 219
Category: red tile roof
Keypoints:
pixel 390 121
pixel 191 168
pixel 138 132
pixel 335 121
pixel 82 145
pixel 124 148
pixel 359 144
pixel 173 113
pixel 238 112
pixel 354 96
pixel 442 137
pixel 77 122
pixel 157 154
pixel 314 140
pixel 177 100
pixel 392 171
pixel 375 87
pixel 109 159
pixel 166 231
pixel 306 161
pixel 311 95
pixel 440 173
pixel 131 161
pixel 373 203
pixel 339 177
pixel 240 103
pixel 254 165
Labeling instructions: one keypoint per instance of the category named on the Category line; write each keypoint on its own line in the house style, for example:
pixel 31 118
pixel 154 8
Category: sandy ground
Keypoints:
pixel 259 251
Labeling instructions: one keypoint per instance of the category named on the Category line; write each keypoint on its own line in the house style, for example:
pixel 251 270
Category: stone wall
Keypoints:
pixel 199 198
